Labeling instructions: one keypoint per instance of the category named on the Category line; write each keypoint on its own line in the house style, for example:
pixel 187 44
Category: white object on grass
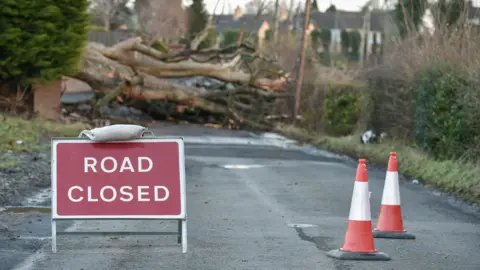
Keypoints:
pixel 368 137
pixel 120 132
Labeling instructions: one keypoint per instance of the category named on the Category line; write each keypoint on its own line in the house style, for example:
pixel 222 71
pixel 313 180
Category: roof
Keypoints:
pixel 379 20
pixel 352 20
pixel 250 22
pixel 345 20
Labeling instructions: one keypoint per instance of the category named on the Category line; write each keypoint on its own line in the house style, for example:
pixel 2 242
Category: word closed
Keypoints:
pixel 125 194
pixel 138 178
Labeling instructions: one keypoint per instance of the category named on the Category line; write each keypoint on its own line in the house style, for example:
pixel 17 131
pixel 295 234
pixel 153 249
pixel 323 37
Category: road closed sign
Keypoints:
pixel 143 178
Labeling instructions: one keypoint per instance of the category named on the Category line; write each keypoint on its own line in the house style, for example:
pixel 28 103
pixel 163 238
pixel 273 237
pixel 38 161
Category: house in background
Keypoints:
pixel 250 23
pixel 380 22
pixel 380 25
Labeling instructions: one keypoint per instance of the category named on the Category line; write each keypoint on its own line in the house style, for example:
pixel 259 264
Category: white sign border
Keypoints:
pixel 181 148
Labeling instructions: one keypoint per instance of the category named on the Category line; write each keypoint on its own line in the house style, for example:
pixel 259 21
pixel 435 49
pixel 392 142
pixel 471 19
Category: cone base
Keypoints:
pixel 393 235
pixel 358 256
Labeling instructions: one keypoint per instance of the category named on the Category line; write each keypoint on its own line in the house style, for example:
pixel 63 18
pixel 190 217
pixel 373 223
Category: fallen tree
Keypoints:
pixel 131 71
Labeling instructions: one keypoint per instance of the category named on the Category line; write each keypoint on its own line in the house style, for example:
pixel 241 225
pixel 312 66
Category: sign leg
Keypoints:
pixel 54 236
pixel 184 235
pixel 179 230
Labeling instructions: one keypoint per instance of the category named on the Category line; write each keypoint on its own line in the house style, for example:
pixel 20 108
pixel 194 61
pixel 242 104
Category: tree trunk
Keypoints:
pixel 46 102
pixel 133 70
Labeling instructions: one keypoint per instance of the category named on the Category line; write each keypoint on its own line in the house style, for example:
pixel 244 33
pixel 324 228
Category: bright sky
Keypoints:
pixel 230 5
pixel 350 5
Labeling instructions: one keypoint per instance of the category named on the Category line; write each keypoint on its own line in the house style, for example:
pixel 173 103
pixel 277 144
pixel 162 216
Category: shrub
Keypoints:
pixel 325 36
pixel 268 35
pixel 342 106
pixel 426 91
pixel 345 42
pixel 41 40
pixel 316 38
pixel 355 40
pixel 311 106
pixel 230 37
pixel 392 104
pixel 442 125
pixel 211 39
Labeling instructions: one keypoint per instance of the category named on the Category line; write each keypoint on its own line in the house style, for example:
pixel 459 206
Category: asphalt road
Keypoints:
pixel 243 218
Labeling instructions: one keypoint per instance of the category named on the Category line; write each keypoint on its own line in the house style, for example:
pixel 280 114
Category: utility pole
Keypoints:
pixel 275 23
pixel 303 48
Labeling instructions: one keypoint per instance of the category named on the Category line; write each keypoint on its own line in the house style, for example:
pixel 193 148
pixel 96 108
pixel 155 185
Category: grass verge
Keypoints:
pixel 460 179
pixel 13 129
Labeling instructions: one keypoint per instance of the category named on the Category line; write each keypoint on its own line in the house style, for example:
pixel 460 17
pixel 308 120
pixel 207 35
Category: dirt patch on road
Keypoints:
pixel 23 173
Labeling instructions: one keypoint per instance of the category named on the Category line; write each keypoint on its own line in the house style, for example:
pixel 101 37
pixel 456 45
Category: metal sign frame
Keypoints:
pixel 182 218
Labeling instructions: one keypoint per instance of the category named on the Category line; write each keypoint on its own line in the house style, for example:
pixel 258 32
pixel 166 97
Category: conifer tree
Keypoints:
pixel 314 6
pixel 408 15
pixel 197 18
pixel 41 39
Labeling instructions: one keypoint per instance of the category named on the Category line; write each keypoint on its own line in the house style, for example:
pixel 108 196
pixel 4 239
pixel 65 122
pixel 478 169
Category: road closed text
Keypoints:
pixel 112 193
pixel 124 194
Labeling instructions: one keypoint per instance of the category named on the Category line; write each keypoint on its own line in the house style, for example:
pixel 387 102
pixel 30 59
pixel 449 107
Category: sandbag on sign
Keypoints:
pixel 118 132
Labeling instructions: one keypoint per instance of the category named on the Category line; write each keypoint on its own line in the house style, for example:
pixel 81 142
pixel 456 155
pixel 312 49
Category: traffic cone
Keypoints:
pixel 359 243
pixel 390 223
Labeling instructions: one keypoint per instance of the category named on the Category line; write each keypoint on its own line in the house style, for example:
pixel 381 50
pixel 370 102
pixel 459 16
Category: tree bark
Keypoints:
pixel 134 70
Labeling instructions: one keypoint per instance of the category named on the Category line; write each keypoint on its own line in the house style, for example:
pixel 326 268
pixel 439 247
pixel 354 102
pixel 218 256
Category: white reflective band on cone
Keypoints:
pixel 391 194
pixel 360 207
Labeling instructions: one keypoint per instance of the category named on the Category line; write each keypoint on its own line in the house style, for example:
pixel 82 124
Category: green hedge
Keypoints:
pixel 437 111
pixel 230 37
pixel 211 39
pixel 268 35
pixel 316 37
pixel 443 124
pixel 342 106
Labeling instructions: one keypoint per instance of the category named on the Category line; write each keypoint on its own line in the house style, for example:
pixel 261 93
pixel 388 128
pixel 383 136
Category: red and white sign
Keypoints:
pixel 143 178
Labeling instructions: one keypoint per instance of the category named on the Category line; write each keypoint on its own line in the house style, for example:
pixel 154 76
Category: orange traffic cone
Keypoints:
pixel 359 243
pixel 390 223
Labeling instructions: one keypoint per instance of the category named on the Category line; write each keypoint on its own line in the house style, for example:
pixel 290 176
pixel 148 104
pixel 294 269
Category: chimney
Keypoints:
pixel 283 14
pixel 238 12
